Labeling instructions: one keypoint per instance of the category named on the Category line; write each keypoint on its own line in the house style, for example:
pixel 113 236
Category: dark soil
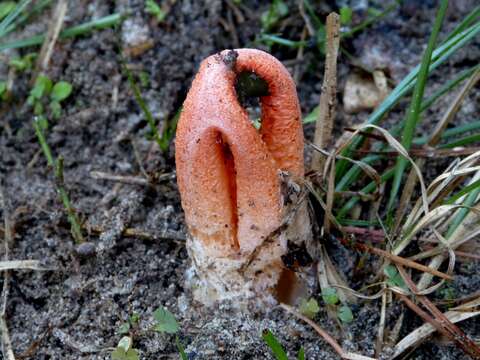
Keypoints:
pixel 74 311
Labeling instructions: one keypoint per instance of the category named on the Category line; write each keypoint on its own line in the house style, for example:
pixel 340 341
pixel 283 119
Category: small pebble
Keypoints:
pixel 86 249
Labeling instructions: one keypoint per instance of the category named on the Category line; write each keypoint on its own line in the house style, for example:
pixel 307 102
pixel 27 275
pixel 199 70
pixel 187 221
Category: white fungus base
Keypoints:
pixel 250 277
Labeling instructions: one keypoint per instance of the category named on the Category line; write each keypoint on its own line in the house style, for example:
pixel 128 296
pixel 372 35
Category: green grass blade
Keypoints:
pixel 353 173
pixel 367 189
pixel 413 112
pixel 440 55
pixel 462 213
pixel 458 130
pixel 169 130
pixel 5 24
pixel 22 19
pixel 462 142
pixel 274 345
pixel 98 24
pixel 451 84
pixel 268 38
pixel 180 348
pixel 357 223
pixel 464 191
pixel 144 108
pixel 473 16
pixel 370 20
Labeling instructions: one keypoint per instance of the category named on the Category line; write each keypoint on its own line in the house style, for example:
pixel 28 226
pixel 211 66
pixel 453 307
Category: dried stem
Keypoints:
pixel 399 260
pixel 439 320
pixel 326 336
pixel 51 37
pixel 7 348
pixel 326 114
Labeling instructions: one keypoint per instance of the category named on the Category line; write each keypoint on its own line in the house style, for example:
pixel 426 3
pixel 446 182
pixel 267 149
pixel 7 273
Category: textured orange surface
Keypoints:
pixel 227 171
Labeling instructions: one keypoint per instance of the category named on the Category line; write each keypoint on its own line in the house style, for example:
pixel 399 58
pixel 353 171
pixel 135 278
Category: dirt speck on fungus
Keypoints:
pixel 75 310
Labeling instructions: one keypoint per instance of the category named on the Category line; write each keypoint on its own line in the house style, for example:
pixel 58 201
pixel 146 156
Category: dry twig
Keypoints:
pixel 53 32
pixel 326 114
pixel 326 336
pixel 437 319
pixel 7 349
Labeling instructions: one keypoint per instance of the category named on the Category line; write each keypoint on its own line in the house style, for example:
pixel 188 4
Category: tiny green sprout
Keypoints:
pixel 346 15
pixel 277 10
pixel 43 86
pixel 124 350
pixel 165 321
pixel 309 308
pixel 345 314
pixel 152 8
pixel 329 296
pixel 24 63
pixel 134 319
pixel 132 322
pixel 6 7
pixel 394 277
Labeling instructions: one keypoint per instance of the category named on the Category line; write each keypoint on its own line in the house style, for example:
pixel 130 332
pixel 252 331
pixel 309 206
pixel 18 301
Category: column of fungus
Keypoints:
pixel 240 187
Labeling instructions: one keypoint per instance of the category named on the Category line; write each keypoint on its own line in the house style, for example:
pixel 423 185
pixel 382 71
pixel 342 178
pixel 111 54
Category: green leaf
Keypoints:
pixel 309 308
pixel 345 314
pixel 301 354
pixel 274 345
pixel 345 15
pixel 394 277
pixel 42 86
pixel 124 350
pixel 166 322
pixel 61 91
pixel 152 8
pixel 124 328
pixel 6 7
pixel 125 343
pixel 329 296
pixel 119 354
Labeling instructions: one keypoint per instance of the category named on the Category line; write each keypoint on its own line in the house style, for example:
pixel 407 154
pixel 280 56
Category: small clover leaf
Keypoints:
pixel 166 322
